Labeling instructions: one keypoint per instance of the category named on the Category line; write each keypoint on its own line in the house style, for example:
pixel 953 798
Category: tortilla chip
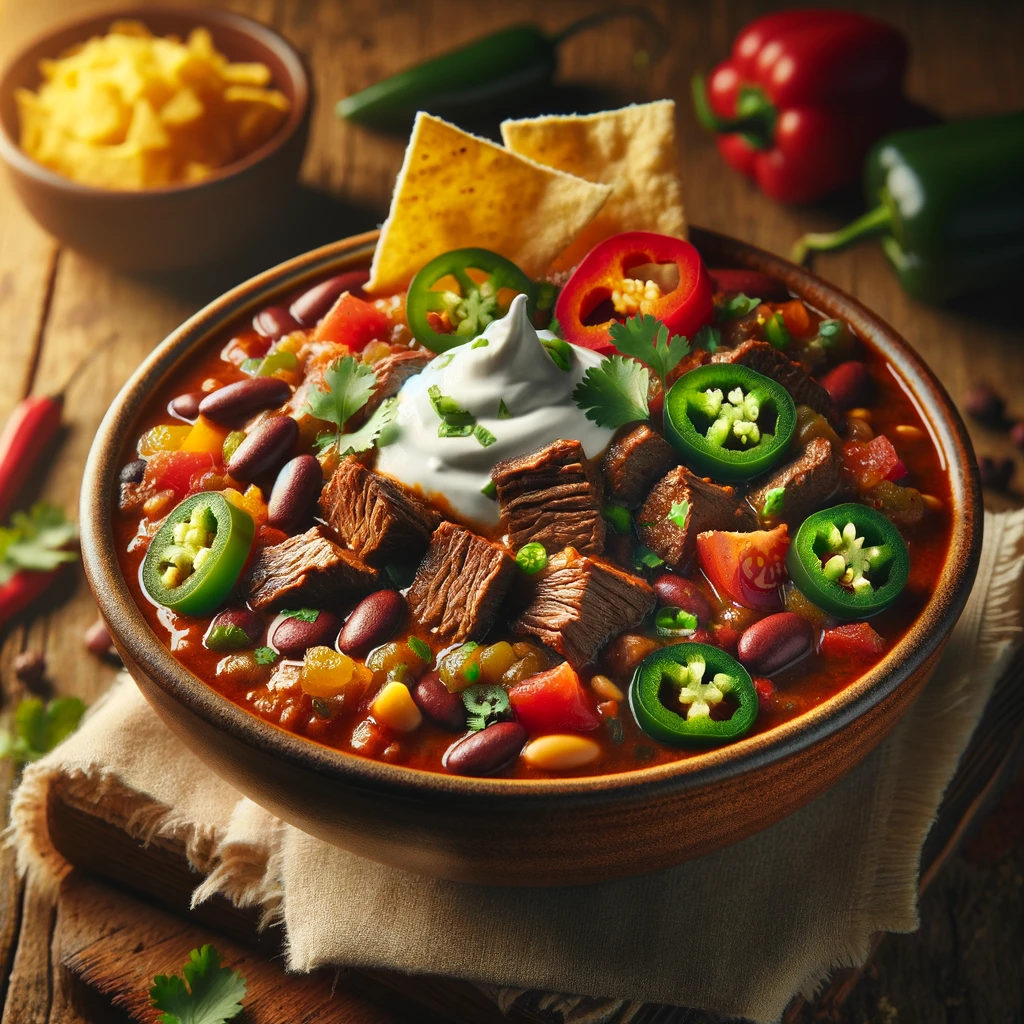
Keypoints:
pixel 456 190
pixel 632 149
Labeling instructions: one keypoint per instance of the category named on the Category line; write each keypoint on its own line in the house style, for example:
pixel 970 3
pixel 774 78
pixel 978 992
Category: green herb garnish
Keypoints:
pixel 737 306
pixel 305 614
pixel 670 622
pixel 485 705
pixel 774 501
pixel 456 421
pixel 646 338
pixel 362 439
pixel 226 638
pixel 614 393
pixel 645 558
pixel 209 993
pixel 483 435
pixel 265 655
pixel 560 352
pixel 678 513
pixel 503 413
pixel 709 338
pixel 421 649
pixel 39 727
pixel 532 557
pixel 350 385
pixel 489 489
pixel 619 517
pixel 36 541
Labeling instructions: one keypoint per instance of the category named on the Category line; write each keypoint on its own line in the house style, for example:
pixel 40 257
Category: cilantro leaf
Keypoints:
pixel 38 728
pixel 503 413
pixel 421 649
pixel 349 386
pixel 678 513
pixel 213 994
pixel 739 305
pixel 645 558
pixel 366 436
pixel 483 435
pixel 614 393
pixel 36 541
pixel 305 614
pixel 708 337
pixel 645 337
pixel 265 655
pixel 774 501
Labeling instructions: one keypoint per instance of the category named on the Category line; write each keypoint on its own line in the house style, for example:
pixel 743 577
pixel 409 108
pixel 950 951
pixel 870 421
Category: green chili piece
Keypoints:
pixel 532 558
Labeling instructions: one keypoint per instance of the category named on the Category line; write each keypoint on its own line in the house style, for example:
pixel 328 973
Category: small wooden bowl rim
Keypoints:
pixel 131 631
pixel 12 153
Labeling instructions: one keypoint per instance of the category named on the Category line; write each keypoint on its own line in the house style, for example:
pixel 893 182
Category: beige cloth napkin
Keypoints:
pixel 738 931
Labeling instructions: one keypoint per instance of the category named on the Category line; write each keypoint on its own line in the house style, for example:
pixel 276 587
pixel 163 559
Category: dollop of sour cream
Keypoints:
pixel 506 364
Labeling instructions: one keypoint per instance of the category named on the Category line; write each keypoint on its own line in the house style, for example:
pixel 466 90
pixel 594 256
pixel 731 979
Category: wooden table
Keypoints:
pixel 965 962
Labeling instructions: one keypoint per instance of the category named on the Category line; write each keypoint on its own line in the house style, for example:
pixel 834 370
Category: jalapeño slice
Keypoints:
pixel 683 695
pixel 849 560
pixel 198 553
pixel 729 422
pixel 470 309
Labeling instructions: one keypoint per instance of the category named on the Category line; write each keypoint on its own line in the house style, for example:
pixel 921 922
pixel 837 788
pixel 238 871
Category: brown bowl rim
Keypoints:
pixel 146 650
pixel 12 153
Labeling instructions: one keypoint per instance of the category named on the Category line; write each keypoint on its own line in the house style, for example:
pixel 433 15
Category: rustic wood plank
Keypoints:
pixel 28 989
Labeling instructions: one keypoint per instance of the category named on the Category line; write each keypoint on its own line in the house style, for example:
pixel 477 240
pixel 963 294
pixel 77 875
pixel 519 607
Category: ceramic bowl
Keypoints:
pixel 530 832
pixel 174 226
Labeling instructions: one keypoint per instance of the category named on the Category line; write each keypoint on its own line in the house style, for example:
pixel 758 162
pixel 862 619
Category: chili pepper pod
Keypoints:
pixel 505 63
pixel 949 203
pixel 26 435
pixel 21 590
pixel 802 96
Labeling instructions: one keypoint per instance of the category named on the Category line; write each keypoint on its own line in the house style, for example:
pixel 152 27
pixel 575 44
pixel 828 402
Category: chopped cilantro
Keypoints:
pixel 38 728
pixel 489 489
pixel 483 435
pixel 480 343
pixel 560 352
pixel 555 327
pixel 421 649
pixel 645 558
pixel 265 655
pixel 646 338
pixel 209 993
pixel 614 393
pixel 503 413
pixel 227 637
pixel 678 513
pixel 350 385
pixel 363 438
pixel 36 541
pixel 737 306
pixel 709 338
pixel 774 501
pixel 305 614
pixel 484 704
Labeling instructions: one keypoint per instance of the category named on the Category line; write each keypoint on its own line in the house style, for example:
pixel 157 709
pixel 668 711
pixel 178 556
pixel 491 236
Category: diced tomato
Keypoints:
pixel 747 568
pixel 553 701
pixel 852 640
pixel 353 322
pixel 796 317
pixel 725 636
pixel 870 462
pixel 765 691
pixel 175 471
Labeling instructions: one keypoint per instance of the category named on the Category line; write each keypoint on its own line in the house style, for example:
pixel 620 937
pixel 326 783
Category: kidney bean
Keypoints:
pixel 265 447
pixel 675 592
pixel 484 752
pixel 995 472
pixel 309 308
pixel 30 669
pixel 97 639
pixel 247 621
pixel 274 321
pixel 773 642
pixel 985 404
pixel 132 472
pixel 293 637
pixel 846 383
pixel 374 619
pixel 186 407
pixel 439 704
pixel 235 402
pixel 295 489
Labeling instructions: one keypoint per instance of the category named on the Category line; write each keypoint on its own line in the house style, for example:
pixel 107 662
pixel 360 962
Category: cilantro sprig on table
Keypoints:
pixel 209 993
pixel 39 727
pixel 350 385
pixel 36 541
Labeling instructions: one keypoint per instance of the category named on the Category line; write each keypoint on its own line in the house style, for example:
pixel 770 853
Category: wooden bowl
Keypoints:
pixel 174 226
pixel 530 832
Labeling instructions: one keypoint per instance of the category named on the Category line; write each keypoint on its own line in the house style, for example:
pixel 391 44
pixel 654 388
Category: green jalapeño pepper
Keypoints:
pixel 849 560
pixel 729 422
pixel 680 696
pixel 949 202
pixel 442 319
pixel 197 555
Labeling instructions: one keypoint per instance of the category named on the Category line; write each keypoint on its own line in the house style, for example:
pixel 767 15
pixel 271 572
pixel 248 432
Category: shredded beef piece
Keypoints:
pixel 809 481
pixel 379 518
pixel 761 357
pixel 459 586
pixel 394 370
pixel 552 496
pixel 633 463
pixel 580 603
pixel 710 508
pixel 306 571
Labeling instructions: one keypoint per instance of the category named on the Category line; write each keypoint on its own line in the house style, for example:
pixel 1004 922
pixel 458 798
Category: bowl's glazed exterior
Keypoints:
pixel 529 832
pixel 168 227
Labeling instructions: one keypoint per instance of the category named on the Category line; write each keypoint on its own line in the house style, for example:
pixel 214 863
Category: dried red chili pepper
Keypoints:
pixel 31 427
pixel 21 590
pixel 802 97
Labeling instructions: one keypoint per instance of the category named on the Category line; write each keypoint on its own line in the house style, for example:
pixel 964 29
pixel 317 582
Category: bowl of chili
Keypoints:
pixel 581 827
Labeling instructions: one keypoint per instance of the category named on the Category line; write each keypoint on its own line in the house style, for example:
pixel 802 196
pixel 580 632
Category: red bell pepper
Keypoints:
pixel 802 97
pixel 553 701
pixel 600 289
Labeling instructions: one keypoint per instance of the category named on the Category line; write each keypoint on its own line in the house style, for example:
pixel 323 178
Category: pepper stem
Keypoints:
pixel 874 222
pixel 755 120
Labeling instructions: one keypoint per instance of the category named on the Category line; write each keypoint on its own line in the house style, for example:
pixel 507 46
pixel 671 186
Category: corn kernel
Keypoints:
pixel 395 708
pixel 560 751
pixel 606 689
pixel 634 296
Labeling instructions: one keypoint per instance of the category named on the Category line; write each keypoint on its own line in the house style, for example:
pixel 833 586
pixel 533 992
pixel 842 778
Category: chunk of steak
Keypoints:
pixel 700 504
pixel 634 462
pixel 460 585
pixel 760 356
pixel 306 571
pixel 394 370
pixel 551 496
pixel 808 481
pixel 580 603
pixel 378 517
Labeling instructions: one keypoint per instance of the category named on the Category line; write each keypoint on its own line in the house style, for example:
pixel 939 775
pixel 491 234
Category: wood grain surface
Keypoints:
pixel 964 964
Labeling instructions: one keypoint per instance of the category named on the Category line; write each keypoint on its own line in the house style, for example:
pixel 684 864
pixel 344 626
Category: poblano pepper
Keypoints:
pixel 949 202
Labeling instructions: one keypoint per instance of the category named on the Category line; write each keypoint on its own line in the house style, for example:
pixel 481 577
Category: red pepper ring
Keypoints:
pixel 606 268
